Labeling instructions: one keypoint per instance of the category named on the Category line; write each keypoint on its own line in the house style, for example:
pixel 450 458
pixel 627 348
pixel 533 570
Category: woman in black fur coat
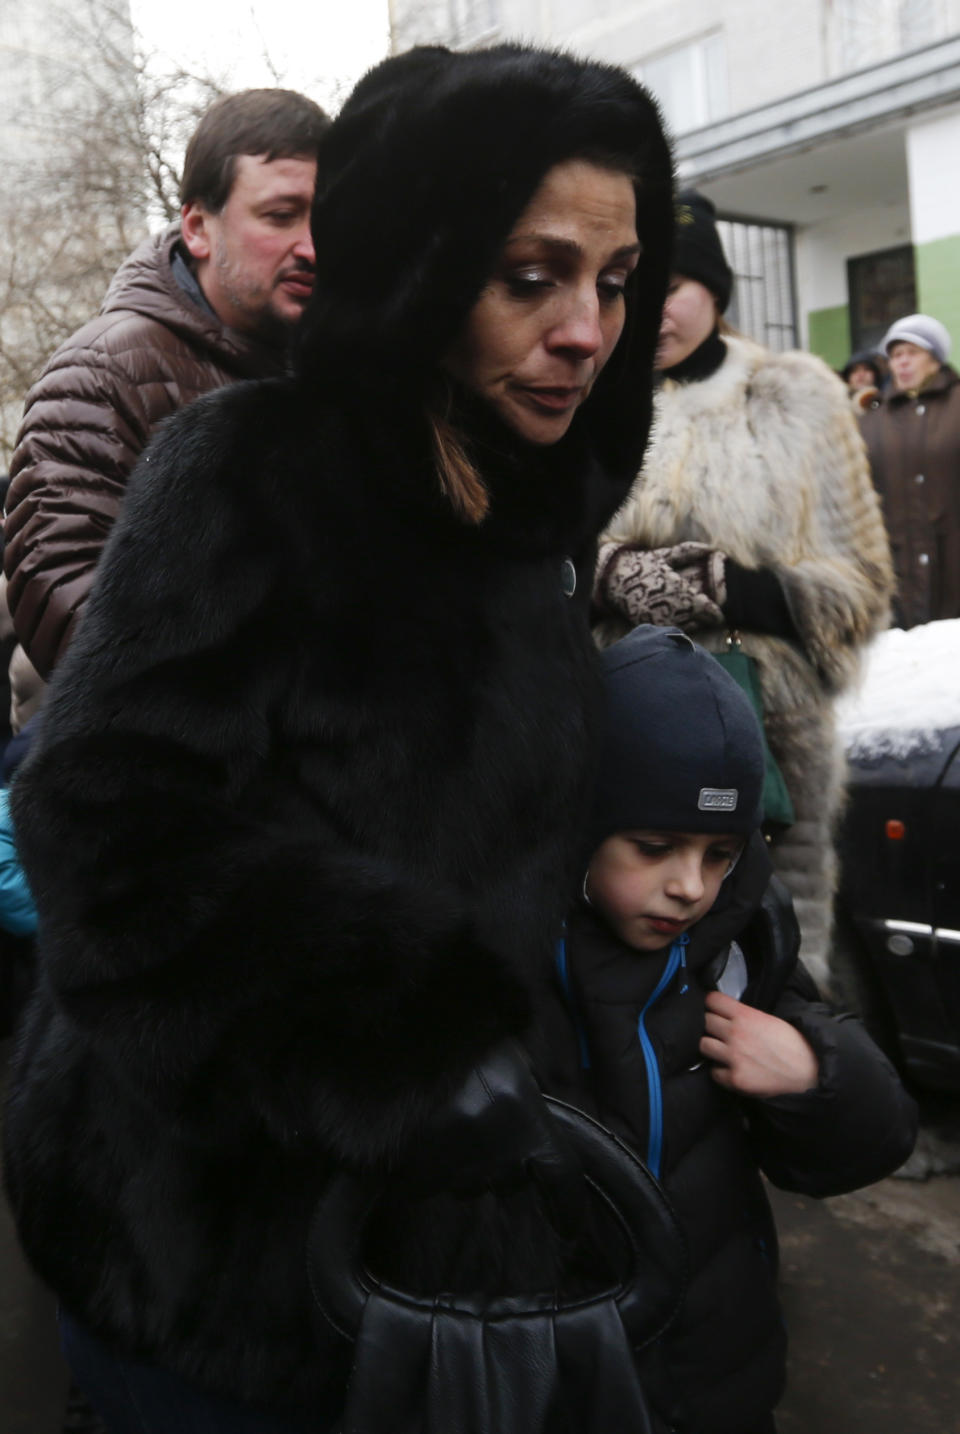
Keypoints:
pixel 302 821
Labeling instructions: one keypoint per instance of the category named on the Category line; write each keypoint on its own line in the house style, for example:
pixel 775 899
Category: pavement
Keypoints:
pixel 33 1377
pixel 870 1289
pixel 870 1285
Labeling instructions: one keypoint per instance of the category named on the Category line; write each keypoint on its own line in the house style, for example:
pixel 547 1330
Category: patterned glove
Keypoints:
pixel 682 586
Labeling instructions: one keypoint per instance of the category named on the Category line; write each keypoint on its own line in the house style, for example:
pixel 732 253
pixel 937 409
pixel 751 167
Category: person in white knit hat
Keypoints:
pixel 912 434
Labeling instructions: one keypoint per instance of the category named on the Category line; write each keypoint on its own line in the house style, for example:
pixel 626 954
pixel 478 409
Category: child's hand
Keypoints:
pixel 755 1053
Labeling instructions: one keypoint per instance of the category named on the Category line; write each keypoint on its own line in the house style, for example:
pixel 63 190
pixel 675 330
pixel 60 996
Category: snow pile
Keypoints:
pixel 909 690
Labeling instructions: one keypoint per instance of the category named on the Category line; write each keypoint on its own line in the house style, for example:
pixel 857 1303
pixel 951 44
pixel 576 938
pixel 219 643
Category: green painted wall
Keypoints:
pixel 938 283
pixel 829 331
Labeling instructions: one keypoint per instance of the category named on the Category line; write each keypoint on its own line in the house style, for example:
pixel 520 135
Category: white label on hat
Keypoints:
pixel 718 799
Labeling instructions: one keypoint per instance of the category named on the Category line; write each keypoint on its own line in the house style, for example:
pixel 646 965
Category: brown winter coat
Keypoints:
pixel 87 419
pixel 913 440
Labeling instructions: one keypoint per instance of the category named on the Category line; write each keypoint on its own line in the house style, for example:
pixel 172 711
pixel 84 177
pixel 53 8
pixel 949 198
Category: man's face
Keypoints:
pixel 254 260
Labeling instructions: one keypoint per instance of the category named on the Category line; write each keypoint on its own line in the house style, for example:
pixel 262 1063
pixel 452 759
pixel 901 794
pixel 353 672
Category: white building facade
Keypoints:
pixel 50 52
pixel 827 132
pixel 73 186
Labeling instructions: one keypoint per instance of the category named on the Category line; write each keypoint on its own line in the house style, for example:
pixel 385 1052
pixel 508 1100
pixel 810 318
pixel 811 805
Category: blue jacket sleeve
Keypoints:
pixel 18 915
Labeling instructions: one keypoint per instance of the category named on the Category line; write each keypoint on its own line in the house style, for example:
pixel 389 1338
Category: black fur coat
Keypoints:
pixel 303 819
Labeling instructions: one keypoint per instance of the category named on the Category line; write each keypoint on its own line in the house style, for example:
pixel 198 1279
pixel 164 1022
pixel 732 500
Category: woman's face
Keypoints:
pixel 551 314
pixel 689 317
pixel 861 376
pixel 911 365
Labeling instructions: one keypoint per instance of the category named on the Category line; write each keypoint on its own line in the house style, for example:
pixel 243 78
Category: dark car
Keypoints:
pixel 897 953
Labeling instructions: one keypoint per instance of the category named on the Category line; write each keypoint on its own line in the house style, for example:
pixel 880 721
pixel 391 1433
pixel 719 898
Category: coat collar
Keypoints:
pixel 721 387
pixel 939 384
pixel 145 284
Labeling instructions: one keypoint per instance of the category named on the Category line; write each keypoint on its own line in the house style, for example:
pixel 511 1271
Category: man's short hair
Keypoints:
pixel 275 123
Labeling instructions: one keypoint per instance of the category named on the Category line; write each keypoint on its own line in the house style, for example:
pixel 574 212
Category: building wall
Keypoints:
pixel 932 154
pixel 821 252
pixel 24 66
pixel 61 215
pixel 48 52
pixel 770 49
pixel 773 49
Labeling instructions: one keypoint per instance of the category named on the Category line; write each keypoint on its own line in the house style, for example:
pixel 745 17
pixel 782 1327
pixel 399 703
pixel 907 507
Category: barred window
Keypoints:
pixel 763 305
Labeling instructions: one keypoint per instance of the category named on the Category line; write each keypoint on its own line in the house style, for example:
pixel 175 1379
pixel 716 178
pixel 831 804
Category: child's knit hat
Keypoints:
pixel 682 748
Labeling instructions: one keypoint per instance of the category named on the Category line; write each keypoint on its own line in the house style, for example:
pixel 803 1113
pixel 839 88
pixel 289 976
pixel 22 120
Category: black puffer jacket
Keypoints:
pixel 303 819
pixel 720 1369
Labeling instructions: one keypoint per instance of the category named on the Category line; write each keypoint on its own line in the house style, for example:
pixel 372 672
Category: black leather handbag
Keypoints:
pixel 530 1364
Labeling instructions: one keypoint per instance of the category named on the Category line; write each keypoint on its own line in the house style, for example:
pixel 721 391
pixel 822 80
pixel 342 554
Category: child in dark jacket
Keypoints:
pixel 694 1032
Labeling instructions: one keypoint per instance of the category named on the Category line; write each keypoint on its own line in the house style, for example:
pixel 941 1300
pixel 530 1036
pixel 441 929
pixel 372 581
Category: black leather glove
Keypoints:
pixel 756 602
pixel 496 1132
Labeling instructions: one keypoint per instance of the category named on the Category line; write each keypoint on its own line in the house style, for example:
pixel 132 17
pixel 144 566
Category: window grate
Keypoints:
pixel 763 305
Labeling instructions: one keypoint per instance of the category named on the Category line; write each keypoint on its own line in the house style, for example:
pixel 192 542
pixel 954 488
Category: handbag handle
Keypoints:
pixel 648 1295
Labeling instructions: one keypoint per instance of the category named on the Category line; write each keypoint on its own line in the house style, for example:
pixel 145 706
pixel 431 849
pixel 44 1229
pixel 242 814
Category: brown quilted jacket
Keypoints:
pixel 86 421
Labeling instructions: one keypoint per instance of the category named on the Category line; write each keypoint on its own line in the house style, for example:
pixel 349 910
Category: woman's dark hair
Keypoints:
pixel 274 123
pixel 425 171
pixel 458 477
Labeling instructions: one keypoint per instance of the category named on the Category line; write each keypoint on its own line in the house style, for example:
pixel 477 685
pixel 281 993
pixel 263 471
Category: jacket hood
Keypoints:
pixel 144 284
pixel 420 180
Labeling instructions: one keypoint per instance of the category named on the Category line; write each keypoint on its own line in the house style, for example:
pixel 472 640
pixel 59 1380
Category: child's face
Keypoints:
pixel 650 886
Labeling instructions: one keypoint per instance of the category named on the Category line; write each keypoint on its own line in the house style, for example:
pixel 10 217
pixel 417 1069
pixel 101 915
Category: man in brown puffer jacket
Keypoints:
pixel 210 301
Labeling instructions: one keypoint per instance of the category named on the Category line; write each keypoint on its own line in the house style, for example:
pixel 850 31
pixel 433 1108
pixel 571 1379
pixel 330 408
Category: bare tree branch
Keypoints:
pixel 99 166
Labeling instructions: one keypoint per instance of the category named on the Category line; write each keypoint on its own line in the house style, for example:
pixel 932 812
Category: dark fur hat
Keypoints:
pixel 428 166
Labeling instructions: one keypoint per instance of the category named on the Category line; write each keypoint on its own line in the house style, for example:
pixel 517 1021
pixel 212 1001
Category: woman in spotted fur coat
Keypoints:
pixel 754 512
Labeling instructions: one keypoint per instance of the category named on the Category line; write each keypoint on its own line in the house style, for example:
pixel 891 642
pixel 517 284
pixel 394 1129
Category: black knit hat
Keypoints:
pixel 682 748
pixel 697 251
pixel 868 358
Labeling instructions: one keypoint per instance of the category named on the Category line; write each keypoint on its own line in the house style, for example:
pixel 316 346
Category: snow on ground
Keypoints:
pixel 910 688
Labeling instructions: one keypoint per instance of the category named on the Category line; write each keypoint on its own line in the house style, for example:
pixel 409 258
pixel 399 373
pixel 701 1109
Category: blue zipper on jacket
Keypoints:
pixel 564 975
pixel 676 960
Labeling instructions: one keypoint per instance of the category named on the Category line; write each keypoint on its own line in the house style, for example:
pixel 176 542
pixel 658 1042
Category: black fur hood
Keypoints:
pixel 410 215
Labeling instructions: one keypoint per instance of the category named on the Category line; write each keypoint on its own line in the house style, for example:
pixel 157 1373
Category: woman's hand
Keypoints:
pixel 680 586
pixel 754 1053
pixel 755 601
pixel 496 1132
